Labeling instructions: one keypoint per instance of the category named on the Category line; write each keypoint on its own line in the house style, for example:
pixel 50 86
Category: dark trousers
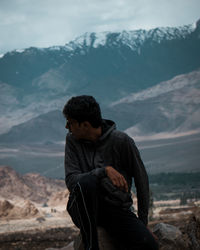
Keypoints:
pixel 88 210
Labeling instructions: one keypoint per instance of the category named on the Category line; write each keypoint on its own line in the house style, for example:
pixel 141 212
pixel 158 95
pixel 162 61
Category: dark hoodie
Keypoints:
pixel 114 148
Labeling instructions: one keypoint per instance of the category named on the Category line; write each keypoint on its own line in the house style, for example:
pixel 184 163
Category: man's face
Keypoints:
pixel 77 129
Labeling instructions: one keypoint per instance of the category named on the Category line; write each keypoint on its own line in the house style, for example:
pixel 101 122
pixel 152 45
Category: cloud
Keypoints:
pixel 44 23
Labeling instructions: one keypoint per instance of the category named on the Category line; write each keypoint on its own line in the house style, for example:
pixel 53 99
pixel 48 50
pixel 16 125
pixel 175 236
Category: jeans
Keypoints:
pixel 88 210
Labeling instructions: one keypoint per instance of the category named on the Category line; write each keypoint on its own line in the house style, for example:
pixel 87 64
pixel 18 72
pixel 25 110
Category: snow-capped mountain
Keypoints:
pixel 107 65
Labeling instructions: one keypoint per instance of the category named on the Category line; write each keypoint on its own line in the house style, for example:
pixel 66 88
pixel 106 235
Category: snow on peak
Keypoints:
pixel 88 39
pixel 170 33
pixel 19 50
pixel 175 83
pixel 194 25
pixel 100 39
pixel 133 39
pixel 55 48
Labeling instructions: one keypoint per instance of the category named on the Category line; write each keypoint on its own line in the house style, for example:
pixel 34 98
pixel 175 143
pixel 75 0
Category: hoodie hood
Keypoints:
pixel 107 127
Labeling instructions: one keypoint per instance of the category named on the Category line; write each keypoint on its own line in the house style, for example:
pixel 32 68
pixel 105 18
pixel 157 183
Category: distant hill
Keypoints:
pixel 31 186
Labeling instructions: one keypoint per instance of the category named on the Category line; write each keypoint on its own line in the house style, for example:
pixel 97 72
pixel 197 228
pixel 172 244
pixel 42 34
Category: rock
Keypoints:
pixel 70 246
pixel 40 219
pixel 193 230
pixel 10 211
pixel 5 207
pixel 105 241
pixel 78 244
pixel 188 237
pixel 166 232
pixel 169 237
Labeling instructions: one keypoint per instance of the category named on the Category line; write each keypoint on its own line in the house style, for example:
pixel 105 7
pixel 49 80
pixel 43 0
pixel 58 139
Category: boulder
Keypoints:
pixel 70 246
pixel 105 241
pixel 169 237
pixel 5 208
pixel 193 230
pixel 166 232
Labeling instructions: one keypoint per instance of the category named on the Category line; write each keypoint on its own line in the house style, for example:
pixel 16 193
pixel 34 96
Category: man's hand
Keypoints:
pixel 117 178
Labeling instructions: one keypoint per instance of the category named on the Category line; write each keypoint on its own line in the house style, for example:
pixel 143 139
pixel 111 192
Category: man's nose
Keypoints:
pixel 67 125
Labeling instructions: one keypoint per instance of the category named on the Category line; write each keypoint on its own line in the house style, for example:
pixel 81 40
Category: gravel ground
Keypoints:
pixel 34 223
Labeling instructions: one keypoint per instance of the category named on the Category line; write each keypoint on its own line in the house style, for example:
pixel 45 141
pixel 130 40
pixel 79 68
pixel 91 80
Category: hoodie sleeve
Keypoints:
pixel 73 172
pixel 137 170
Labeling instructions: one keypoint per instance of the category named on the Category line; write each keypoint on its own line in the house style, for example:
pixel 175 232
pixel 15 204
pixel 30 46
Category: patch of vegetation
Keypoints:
pixel 175 179
pixel 183 186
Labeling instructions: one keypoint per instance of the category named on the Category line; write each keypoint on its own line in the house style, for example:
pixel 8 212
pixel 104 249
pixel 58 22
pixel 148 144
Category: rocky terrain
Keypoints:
pixel 33 216
pixel 31 186
pixel 33 211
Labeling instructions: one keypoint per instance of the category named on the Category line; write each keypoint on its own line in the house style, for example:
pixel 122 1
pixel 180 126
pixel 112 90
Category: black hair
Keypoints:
pixel 83 108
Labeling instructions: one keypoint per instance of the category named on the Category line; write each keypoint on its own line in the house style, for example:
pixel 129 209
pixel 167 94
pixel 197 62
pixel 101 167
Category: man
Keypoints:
pixel 100 162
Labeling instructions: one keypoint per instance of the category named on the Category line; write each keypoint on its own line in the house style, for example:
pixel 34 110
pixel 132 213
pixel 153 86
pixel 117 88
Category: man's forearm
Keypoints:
pixel 72 179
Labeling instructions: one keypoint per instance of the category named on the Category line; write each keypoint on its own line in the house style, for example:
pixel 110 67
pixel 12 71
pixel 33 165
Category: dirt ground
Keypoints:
pixel 52 227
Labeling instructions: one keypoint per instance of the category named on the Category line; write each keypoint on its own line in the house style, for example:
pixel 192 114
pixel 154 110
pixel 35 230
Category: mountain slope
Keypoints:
pixel 172 105
pixel 44 128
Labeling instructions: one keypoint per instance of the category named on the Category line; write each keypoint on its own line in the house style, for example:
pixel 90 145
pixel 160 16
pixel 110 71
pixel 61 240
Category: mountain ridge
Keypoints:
pixel 132 38
pixel 95 39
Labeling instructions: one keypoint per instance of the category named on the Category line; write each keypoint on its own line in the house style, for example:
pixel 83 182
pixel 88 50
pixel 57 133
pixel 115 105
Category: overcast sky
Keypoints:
pixel 44 23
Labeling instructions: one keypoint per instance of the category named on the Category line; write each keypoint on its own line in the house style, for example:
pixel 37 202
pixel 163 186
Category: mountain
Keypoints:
pixel 107 65
pixel 170 106
pixel 148 82
pixel 163 119
pixel 21 68
pixel 46 128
